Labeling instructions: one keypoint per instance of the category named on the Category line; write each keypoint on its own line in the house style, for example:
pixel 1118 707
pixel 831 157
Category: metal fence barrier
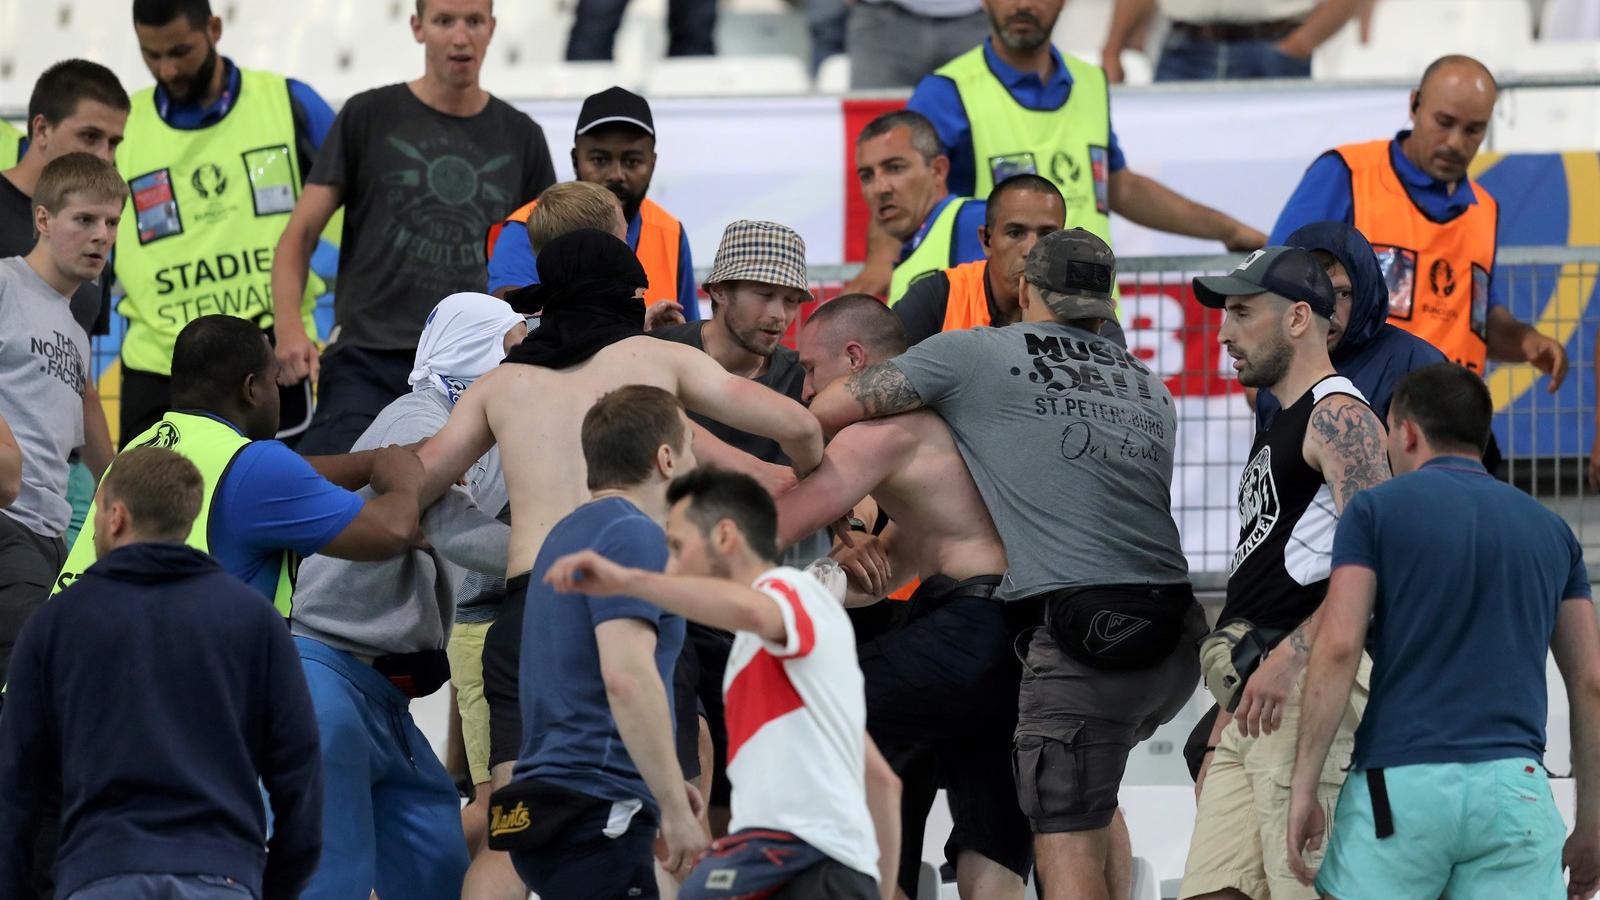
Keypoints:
pixel 1545 438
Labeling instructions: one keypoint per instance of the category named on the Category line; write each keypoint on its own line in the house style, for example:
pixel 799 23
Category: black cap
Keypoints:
pixel 614 106
pixel 1290 272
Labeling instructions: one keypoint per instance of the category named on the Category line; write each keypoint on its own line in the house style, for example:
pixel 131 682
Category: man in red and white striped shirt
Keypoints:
pixel 815 806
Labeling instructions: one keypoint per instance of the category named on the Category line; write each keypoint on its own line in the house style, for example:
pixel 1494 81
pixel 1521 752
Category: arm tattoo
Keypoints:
pixel 1354 442
pixel 1298 642
pixel 883 390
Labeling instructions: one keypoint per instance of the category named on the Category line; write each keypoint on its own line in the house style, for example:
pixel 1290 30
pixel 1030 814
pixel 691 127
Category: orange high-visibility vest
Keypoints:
pixel 966 307
pixel 1437 272
pixel 968 303
pixel 660 236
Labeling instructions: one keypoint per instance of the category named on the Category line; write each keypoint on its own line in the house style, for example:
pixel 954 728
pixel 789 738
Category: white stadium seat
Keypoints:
pixel 551 80
pixel 1081 29
pixel 709 76
pixel 833 76
pixel 1495 31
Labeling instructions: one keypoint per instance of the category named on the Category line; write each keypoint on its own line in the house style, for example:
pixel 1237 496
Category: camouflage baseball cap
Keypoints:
pixel 1074 271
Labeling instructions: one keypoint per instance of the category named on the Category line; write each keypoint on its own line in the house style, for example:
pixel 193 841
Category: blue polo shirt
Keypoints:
pixel 1324 195
pixel 515 265
pixel 964 244
pixel 1471 573
pixel 936 98
pixel 569 736
pixel 312 114
pixel 271 500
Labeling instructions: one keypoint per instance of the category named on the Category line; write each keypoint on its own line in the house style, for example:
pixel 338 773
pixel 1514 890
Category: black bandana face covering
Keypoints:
pixel 586 299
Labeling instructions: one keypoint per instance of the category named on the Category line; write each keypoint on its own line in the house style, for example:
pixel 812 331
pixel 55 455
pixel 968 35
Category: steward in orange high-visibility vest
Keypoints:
pixel 614 147
pixel 660 239
pixel 1438 272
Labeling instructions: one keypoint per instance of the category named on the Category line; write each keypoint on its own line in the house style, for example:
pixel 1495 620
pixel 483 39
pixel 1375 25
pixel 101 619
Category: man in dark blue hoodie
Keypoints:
pixel 1362 344
pixel 158 690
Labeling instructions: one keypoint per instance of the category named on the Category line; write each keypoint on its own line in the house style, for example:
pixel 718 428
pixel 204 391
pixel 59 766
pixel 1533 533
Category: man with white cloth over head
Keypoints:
pixel 372 637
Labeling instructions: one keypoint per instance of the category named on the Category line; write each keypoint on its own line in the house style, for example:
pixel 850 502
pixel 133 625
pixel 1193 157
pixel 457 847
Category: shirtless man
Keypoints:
pixel 589 343
pixel 950 669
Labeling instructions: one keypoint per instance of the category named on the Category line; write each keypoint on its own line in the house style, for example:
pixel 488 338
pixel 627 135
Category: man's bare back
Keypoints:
pixel 911 467
pixel 536 414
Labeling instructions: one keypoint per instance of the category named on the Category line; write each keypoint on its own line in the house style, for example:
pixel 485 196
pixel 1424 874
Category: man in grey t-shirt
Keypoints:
pixel 44 372
pixel 1070 441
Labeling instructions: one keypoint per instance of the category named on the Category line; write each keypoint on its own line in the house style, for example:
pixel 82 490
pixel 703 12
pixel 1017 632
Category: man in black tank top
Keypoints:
pixel 1322 448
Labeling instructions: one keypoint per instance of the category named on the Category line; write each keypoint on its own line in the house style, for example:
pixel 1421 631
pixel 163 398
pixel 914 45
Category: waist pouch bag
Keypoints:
pixel 1119 628
pixel 415 674
pixel 528 814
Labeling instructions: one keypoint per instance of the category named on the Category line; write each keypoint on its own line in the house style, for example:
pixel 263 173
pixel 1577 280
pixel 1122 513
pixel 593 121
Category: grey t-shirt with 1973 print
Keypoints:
pixel 1070 441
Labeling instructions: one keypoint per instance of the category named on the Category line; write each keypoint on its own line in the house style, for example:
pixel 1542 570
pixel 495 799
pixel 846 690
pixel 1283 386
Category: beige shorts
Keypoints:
pixel 1241 827
pixel 466 673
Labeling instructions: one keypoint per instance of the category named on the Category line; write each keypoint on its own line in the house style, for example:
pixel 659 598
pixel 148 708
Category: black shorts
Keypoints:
pixel 502 657
pixel 711 649
pixel 946 683
pixel 686 711
pixel 586 864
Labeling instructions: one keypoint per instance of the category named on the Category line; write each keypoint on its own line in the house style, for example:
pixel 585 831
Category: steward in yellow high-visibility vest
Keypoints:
pixel 1015 104
pixel 216 156
pixel 265 506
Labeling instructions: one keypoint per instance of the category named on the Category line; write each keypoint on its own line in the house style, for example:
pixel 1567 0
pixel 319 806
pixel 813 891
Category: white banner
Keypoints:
pixel 1241 151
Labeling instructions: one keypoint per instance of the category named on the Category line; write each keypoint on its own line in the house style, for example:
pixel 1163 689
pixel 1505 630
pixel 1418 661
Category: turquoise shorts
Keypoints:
pixel 1468 831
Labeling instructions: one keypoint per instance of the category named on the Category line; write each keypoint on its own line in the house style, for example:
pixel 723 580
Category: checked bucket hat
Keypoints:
pixel 764 252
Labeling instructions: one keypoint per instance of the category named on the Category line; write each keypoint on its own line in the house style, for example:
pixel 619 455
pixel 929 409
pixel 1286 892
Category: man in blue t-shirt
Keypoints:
pixel 598 774
pixel 1447 794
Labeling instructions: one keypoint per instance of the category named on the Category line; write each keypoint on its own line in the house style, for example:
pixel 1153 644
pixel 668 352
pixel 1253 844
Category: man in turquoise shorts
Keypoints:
pixel 1468 583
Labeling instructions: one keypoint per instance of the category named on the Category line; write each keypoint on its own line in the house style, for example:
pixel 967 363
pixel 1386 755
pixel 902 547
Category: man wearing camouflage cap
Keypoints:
pixel 1070 440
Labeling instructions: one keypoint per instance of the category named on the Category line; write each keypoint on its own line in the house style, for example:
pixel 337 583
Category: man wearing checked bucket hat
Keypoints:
pixel 757 285
pixel 1324 447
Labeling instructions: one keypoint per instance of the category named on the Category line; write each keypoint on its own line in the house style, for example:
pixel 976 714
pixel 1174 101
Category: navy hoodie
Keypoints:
pixel 158 689
pixel 1373 354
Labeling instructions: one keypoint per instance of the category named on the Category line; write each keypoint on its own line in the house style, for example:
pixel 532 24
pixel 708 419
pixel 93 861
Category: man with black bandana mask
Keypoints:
pixel 216 155
pixel 590 341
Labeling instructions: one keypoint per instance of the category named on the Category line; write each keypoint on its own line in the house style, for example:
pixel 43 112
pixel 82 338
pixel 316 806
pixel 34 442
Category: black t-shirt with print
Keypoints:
pixel 420 189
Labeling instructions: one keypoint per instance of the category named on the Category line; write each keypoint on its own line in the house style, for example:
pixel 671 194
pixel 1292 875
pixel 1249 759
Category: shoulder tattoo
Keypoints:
pixel 1355 445
pixel 883 390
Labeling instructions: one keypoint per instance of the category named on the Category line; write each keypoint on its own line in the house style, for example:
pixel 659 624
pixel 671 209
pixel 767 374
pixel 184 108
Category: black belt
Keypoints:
pixel 1237 32
pixel 978 587
pixel 1382 815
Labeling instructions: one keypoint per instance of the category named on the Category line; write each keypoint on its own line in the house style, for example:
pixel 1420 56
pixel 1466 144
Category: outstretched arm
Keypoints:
pixel 855 462
pixel 881 390
pixel 717 602
pixel 450 453
pixel 706 388
pixel 1145 201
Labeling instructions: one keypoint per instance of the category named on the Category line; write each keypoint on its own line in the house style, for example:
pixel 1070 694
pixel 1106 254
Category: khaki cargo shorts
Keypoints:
pixel 1241 826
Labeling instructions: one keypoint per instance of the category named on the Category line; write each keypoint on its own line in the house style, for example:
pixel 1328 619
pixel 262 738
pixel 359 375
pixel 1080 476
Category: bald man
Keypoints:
pixel 947 680
pixel 1432 226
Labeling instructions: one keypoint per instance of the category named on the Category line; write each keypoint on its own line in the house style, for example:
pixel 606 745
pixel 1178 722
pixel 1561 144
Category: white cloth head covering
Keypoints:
pixel 463 339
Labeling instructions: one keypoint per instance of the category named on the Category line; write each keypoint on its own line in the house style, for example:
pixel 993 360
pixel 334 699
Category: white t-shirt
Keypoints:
pixel 797 725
